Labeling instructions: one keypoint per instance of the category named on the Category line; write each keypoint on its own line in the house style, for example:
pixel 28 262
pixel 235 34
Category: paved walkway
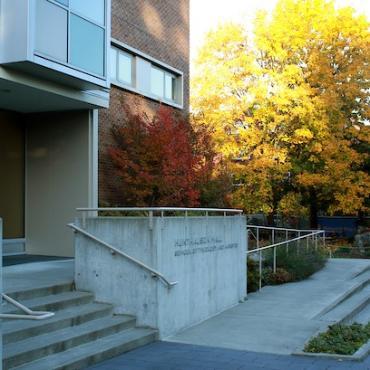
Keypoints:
pixel 39 274
pixel 174 356
pixel 279 319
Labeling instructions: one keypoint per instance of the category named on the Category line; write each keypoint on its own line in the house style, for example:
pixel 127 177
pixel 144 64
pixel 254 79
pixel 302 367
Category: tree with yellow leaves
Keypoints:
pixel 288 108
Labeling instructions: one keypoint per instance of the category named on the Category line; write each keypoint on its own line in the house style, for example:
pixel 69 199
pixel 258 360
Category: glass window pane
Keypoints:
pixel 113 63
pixel 92 9
pixel 87 45
pixel 170 87
pixel 64 2
pixel 157 82
pixel 51 30
pixel 124 68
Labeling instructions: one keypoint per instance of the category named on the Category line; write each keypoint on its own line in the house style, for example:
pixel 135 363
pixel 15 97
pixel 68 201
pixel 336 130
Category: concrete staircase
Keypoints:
pixel 353 305
pixel 81 333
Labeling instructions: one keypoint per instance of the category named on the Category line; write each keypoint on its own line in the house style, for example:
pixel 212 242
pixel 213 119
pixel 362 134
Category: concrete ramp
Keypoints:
pixel 280 319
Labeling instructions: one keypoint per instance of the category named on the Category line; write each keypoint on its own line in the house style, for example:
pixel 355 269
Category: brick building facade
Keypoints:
pixel 160 31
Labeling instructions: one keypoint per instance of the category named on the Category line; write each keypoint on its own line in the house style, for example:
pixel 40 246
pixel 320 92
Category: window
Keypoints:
pixel 51 17
pixel 121 66
pixel 87 45
pixel 63 2
pixel 91 9
pixel 124 68
pixel 162 83
pixel 169 87
pixel 72 32
pixel 157 82
pixel 131 69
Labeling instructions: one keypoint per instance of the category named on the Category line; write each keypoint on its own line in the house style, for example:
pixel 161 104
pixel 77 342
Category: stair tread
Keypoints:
pixel 363 317
pixel 71 312
pixel 95 348
pixel 358 282
pixel 50 299
pixel 349 305
pixel 65 334
pixel 40 291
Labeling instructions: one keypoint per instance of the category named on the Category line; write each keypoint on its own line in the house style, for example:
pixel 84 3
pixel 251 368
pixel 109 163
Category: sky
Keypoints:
pixel 206 14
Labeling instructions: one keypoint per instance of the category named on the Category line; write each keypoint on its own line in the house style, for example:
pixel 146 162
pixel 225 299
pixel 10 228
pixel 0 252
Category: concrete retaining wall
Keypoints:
pixel 206 255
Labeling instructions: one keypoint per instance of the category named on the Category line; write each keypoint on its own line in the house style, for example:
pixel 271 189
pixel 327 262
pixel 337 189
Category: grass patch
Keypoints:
pixel 340 339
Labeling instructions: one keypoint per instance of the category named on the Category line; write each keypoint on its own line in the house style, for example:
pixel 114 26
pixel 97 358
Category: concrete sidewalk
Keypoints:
pixel 279 319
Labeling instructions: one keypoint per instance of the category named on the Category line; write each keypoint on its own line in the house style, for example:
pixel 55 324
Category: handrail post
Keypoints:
pixel 286 239
pixel 258 237
pixel 84 219
pixel 150 220
pixel 273 242
pixel 260 271
pixel 315 241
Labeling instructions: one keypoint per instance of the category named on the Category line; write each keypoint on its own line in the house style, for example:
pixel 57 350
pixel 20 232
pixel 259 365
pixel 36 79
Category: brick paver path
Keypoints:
pixel 176 356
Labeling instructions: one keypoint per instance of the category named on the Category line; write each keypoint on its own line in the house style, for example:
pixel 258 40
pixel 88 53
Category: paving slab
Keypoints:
pixel 279 319
pixel 177 356
pixel 37 275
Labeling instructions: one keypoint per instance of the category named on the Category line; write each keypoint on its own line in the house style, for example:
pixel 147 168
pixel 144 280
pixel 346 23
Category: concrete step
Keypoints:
pixel 41 291
pixel 360 281
pixel 17 330
pixel 90 353
pixel 350 307
pixel 363 271
pixel 53 302
pixel 32 349
pixel 363 317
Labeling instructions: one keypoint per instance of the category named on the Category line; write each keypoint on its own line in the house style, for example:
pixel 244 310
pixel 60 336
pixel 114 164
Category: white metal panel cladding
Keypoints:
pixel 37 34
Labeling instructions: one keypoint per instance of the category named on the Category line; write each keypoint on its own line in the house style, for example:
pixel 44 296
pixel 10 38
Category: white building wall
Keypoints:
pixel 58 178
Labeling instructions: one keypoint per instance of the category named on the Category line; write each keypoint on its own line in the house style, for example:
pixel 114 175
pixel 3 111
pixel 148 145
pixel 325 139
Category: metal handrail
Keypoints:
pixel 311 234
pixel 285 242
pixel 154 272
pixel 30 315
pixel 281 229
pixel 161 210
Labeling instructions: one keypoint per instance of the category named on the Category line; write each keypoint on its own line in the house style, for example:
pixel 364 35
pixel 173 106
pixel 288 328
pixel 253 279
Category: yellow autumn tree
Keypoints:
pixel 289 108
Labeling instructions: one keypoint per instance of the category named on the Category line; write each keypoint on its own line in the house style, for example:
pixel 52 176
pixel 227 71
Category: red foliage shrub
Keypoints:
pixel 160 160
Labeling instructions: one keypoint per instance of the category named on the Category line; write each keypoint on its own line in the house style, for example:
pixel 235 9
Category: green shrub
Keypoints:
pixel 340 339
pixel 300 265
pixel 281 276
pixel 292 265
pixel 252 275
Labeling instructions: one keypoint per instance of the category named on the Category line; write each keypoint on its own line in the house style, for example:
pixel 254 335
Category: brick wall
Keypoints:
pixel 159 28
